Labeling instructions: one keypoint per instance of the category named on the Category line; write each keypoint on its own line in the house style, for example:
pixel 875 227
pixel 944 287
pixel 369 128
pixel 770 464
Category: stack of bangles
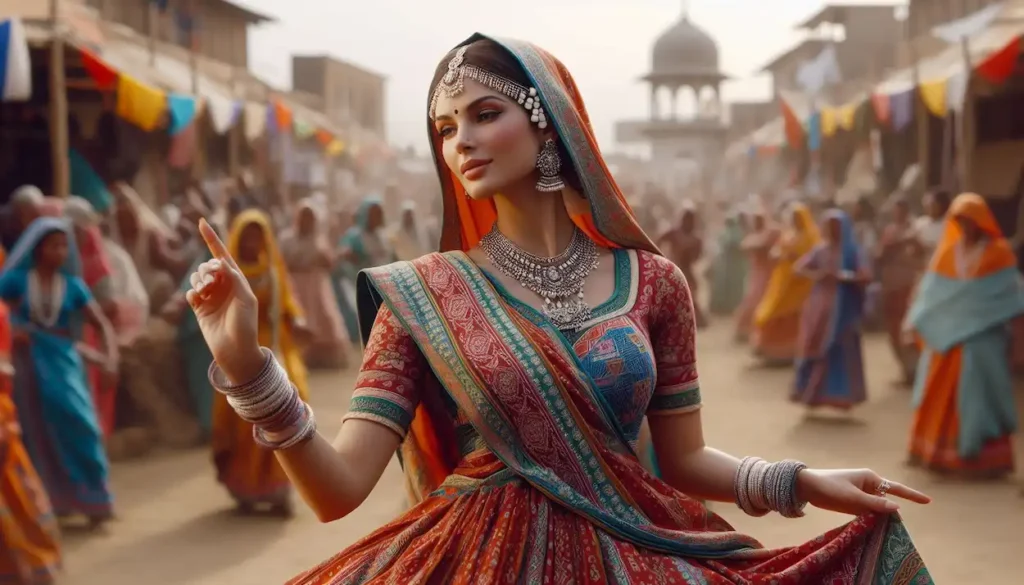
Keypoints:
pixel 280 419
pixel 761 487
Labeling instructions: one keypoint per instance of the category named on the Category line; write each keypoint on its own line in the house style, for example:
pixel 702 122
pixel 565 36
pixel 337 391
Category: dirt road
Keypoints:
pixel 176 525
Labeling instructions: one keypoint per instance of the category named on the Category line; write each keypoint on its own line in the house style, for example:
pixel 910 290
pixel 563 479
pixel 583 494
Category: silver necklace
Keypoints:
pixel 45 311
pixel 558 280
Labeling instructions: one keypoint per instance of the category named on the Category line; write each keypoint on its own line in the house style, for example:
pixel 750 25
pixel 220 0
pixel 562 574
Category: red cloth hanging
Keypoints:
pixel 104 75
pixel 998 66
pixel 794 129
pixel 882 107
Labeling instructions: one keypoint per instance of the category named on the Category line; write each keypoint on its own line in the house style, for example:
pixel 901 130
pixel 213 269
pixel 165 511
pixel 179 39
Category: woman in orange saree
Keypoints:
pixel 517 421
pixel 963 393
pixel 29 537
pixel 251 475
pixel 777 318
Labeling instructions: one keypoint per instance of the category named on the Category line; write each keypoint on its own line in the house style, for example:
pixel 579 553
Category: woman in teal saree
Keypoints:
pixel 518 421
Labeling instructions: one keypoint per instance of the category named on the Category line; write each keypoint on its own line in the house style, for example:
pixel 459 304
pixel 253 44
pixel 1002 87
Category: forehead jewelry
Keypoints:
pixel 453 84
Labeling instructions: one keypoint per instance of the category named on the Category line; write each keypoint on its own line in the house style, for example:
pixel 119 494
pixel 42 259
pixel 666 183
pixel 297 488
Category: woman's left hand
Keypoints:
pixel 853 491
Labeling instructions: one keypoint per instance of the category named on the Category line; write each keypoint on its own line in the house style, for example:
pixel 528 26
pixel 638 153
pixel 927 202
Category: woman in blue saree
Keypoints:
pixel 49 304
pixel 830 363
pixel 518 420
pixel 363 246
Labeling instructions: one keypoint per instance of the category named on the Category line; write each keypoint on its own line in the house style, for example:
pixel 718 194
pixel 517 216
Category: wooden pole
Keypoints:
pixel 964 128
pixel 58 106
pixel 151 27
pixel 194 45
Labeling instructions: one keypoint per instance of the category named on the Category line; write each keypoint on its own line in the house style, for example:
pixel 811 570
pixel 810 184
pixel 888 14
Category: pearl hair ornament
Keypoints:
pixel 453 84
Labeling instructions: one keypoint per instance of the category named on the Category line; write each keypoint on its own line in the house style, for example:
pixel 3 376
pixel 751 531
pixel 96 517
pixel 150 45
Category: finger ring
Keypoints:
pixel 883 488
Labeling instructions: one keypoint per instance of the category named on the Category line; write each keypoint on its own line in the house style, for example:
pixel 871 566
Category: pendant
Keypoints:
pixel 568 314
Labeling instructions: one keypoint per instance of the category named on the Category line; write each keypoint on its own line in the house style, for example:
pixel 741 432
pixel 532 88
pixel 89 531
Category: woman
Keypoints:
pixel 520 417
pixel 408 238
pixel 309 260
pixel 686 248
pixel 899 258
pixel 143 235
pixel 729 270
pixel 830 363
pixel 963 394
pixel 757 246
pixel 249 473
pixel 777 319
pixel 362 246
pixel 99 277
pixel 30 554
pixel 40 279
pixel 930 226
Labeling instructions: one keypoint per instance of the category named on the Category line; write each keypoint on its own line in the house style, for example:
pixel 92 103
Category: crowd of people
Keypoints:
pixel 101 358
pixel 804 284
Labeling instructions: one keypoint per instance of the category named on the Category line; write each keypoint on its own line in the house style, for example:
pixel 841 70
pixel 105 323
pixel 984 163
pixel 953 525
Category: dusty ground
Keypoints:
pixel 176 527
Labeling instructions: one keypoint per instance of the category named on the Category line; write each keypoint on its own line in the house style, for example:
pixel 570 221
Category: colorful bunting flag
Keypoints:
pixel 15 63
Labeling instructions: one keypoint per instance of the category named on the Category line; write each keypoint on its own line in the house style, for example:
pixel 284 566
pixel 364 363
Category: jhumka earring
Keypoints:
pixel 549 163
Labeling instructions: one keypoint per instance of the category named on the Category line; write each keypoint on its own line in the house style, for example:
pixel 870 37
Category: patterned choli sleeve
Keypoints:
pixel 673 336
pixel 390 380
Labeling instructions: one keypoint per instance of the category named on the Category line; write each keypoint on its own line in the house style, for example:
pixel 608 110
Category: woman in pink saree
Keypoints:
pixel 309 258
pixel 757 245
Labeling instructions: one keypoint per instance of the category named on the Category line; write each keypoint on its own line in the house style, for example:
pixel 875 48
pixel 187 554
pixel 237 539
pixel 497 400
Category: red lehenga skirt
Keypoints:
pixel 485 525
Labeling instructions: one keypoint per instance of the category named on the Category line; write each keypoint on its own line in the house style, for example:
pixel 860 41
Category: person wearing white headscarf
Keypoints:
pixel 408 239
pixel 24 206
pixel 309 258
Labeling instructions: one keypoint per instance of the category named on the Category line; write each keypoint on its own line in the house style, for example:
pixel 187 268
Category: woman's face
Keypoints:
pixel 834 229
pixel 688 221
pixel 900 212
pixel 375 218
pixel 933 207
pixel 251 243
pixel 972 233
pixel 52 251
pixel 488 141
pixel 307 220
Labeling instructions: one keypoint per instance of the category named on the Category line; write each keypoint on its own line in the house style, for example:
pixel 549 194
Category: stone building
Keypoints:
pixel 222 27
pixel 350 94
pixel 685 131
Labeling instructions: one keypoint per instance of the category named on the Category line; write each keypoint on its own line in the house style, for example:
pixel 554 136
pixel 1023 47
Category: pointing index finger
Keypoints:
pixel 214 243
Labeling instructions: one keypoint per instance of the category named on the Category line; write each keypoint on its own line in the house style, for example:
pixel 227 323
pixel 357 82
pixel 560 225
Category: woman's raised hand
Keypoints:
pixel 227 311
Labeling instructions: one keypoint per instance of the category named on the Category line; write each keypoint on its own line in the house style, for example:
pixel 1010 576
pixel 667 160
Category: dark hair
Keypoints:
pixel 490 56
pixel 942 198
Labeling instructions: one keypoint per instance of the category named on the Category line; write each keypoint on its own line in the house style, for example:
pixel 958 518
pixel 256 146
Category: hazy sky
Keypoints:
pixel 605 44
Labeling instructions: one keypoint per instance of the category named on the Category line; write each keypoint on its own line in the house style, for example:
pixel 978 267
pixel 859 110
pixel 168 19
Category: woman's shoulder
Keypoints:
pixel 658 271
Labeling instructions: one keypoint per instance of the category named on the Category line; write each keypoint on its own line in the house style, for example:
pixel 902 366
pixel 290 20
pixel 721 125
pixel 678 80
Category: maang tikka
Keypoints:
pixel 549 164
pixel 453 84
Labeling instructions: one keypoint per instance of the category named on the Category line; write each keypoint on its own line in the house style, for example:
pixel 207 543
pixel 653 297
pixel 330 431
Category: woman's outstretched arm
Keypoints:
pixel 334 478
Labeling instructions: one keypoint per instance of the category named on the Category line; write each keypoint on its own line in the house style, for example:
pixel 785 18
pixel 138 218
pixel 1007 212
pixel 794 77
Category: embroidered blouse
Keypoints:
pixel 639 348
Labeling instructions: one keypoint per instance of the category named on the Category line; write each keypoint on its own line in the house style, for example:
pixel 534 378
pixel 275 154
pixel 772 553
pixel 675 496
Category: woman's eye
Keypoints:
pixel 446 131
pixel 487 115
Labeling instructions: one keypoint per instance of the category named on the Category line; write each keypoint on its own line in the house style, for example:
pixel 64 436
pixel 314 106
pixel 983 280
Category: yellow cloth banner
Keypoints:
pixel 847 116
pixel 933 94
pixel 140 104
pixel 829 122
pixel 335 147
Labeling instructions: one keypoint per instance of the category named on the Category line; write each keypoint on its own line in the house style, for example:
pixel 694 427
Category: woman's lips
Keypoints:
pixel 474 169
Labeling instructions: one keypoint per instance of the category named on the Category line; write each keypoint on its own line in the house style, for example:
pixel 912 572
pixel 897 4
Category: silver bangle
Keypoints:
pixel 761 487
pixel 304 431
